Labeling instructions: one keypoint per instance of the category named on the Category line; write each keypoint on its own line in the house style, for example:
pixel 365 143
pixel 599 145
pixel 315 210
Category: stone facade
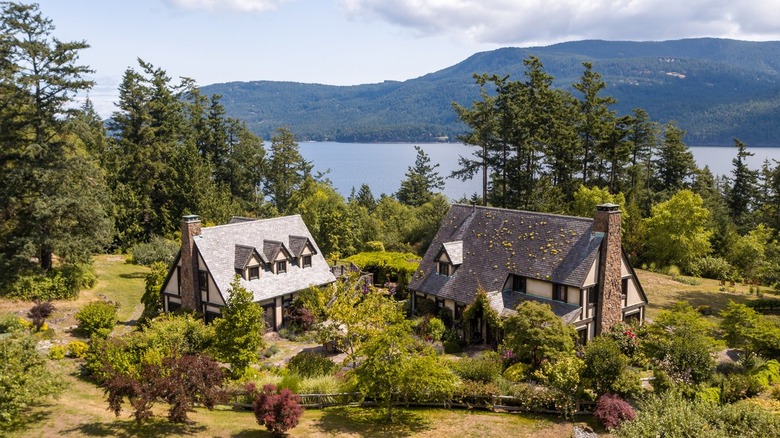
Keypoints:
pixel 190 290
pixel 610 295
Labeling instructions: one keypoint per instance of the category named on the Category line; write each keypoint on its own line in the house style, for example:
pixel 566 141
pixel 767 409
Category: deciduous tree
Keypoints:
pixel 677 232
pixel 25 378
pixel 535 333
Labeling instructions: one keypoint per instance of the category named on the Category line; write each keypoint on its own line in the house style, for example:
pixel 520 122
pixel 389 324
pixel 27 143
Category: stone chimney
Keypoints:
pixel 189 289
pixel 609 301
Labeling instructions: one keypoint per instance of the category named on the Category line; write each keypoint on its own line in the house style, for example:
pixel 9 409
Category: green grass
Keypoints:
pixel 122 283
pixel 662 292
pixel 82 410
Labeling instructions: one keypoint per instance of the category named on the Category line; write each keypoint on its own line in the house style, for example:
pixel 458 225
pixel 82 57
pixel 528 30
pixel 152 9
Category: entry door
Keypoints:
pixel 270 317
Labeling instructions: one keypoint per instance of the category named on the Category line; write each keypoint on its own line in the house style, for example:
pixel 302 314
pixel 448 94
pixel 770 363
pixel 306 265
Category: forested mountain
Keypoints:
pixel 715 89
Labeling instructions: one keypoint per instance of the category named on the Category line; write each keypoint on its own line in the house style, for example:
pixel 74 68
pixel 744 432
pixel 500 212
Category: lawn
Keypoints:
pixel 663 291
pixel 82 409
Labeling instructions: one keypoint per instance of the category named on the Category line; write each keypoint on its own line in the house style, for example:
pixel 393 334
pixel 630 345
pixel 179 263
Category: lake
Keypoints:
pixel 382 165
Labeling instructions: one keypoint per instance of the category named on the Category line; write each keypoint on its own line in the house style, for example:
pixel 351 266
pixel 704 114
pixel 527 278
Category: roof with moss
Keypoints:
pixel 498 242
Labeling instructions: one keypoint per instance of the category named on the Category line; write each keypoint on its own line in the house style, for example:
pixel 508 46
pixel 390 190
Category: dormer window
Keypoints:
pixel 281 267
pixel 307 261
pixel 254 272
pixel 443 268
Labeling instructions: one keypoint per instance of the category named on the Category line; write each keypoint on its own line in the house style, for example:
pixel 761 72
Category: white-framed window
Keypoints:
pixel 254 272
pixel 281 267
pixel 307 261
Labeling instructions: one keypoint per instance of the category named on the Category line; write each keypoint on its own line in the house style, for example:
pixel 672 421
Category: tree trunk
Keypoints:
pixel 46 256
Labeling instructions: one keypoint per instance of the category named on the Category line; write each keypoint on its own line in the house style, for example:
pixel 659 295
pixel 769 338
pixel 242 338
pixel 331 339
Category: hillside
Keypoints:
pixel 715 89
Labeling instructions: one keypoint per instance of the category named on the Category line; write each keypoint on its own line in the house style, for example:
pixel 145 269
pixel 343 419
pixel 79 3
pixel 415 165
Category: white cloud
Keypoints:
pixel 544 21
pixel 228 5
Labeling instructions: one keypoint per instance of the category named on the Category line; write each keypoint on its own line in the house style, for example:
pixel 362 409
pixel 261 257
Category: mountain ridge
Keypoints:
pixel 716 90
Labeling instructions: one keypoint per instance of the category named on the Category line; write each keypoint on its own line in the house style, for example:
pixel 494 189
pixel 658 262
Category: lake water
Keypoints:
pixel 382 165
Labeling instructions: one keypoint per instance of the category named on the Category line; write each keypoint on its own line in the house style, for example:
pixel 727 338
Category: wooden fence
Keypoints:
pixel 494 403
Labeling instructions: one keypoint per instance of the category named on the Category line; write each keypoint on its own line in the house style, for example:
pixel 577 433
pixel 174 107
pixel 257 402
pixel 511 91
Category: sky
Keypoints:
pixel 350 42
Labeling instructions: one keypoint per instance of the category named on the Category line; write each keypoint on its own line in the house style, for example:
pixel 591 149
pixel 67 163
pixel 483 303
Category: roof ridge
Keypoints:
pixel 256 221
pixel 535 213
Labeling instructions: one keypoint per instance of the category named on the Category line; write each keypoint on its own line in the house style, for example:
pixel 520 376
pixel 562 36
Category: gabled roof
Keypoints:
pixel 497 242
pixel 454 251
pixel 271 249
pixel 243 255
pixel 221 246
pixel 298 244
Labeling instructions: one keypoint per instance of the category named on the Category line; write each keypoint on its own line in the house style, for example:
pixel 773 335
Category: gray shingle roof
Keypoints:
pixel 505 303
pixel 243 254
pixel 219 247
pixel 498 242
pixel 297 244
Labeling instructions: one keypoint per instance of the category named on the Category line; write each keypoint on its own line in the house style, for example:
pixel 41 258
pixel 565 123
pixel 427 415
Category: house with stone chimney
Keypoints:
pixel 576 265
pixel 273 258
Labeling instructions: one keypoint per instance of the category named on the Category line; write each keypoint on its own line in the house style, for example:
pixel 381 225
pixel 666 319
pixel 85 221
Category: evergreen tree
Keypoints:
pixel 642 141
pixel 421 180
pixel 147 127
pixel 481 118
pixel 742 191
pixel 287 170
pixel 52 196
pixel 675 164
pixel 597 122
pixel 245 168
pixel 365 198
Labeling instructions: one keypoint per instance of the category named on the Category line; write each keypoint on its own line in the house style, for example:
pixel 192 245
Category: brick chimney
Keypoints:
pixel 609 302
pixel 190 291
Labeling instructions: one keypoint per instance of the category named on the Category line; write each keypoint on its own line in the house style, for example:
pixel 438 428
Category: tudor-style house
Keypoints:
pixel 274 258
pixel 576 265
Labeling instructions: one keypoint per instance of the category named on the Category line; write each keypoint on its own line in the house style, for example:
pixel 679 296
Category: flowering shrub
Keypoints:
pixel 278 411
pixel 612 410
pixel 77 349
pixel 626 338
pixel 57 352
pixel 508 357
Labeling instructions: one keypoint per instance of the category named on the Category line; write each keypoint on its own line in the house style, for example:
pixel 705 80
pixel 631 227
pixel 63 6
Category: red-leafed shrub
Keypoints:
pixel 612 410
pixel 300 319
pixel 278 411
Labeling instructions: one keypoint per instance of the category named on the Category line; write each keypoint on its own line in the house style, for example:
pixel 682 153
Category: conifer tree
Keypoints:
pixel 421 180
pixel 675 164
pixel 287 170
pixel 52 194
pixel 742 191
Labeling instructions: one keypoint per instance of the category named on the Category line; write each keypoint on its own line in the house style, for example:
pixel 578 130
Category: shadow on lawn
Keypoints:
pixel 129 428
pixel 25 421
pixel 716 300
pixel 134 275
pixel 371 422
